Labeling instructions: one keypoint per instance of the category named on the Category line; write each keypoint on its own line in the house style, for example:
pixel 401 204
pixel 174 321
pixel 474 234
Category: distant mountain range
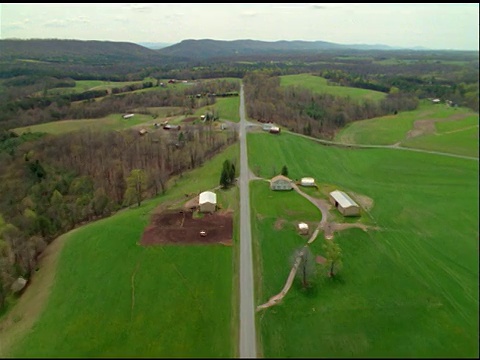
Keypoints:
pixel 111 52
pixel 207 48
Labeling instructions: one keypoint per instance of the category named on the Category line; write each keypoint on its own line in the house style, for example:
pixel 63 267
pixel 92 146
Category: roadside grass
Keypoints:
pixel 320 85
pixel 113 298
pixel 409 289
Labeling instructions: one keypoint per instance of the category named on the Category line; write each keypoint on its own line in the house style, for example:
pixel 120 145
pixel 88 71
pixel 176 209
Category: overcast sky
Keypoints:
pixel 434 26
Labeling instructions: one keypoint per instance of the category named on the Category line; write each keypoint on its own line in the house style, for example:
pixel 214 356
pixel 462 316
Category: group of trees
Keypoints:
pixel 307 270
pixel 318 115
pixel 55 183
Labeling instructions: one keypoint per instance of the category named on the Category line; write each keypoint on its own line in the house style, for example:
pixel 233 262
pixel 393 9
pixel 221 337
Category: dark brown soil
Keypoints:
pixel 181 228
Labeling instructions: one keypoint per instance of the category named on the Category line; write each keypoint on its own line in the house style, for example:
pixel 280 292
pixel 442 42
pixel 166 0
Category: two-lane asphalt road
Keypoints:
pixel 248 345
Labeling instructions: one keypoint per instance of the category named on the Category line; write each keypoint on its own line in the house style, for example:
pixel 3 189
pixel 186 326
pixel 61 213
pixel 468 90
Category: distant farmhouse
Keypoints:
pixel 344 203
pixel 280 182
pixel 128 116
pixel 207 201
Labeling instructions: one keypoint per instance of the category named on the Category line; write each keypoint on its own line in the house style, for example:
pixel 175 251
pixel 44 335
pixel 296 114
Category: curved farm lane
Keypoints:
pixel 394 146
pixel 328 229
pixel 18 322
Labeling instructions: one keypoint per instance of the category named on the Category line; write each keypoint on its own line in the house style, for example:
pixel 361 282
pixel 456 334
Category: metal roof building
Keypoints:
pixel 207 201
pixel 344 203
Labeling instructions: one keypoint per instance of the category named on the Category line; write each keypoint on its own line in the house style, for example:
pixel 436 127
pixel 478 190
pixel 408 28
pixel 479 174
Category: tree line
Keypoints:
pixel 308 113
pixel 56 183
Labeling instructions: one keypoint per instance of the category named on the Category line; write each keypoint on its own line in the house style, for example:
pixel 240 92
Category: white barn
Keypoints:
pixel 128 116
pixel 344 203
pixel 207 201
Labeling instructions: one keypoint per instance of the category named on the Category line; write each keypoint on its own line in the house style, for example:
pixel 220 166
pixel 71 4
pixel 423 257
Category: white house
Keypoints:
pixel 207 201
pixel 280 182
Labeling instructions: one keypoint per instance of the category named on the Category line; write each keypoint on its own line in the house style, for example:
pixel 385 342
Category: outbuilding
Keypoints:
pixel 128 116
pixel 303 228
pixel 344 203
pixel 280 182
pixel 307 181
pixel 207 201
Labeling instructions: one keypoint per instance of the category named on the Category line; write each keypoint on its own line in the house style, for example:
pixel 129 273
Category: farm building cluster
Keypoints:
pixel 339 199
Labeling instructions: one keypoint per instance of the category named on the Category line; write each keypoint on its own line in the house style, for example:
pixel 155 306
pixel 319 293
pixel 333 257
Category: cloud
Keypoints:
pixel 56 23
pixel 139 7
pixel 17 25
pixel 249 13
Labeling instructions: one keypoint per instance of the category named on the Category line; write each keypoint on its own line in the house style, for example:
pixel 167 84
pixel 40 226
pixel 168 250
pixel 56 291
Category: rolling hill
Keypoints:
pixel 208 48
pixel 77 51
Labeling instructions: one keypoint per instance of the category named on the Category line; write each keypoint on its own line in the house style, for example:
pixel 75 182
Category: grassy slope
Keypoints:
pixel 181 305
pixel 407 290
pixel 319 85
pixel 108 123
pixel 456 130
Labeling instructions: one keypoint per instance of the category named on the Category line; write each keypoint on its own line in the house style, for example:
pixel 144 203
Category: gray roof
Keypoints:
pixel 343 199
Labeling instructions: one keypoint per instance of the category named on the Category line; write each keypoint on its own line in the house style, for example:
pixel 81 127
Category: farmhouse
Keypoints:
pixel 307 181
pixel 128 116
pixel 267 126
pixel 280 182
pixel 303 228
pixel 207 201
pixel 344 203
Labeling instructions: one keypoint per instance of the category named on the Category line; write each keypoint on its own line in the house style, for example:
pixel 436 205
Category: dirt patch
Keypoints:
pixel 427 126
pixel 363 200
pixel 319 259
pixel 180 227
pixel 279 224
pixel 422 127
pixel 189 119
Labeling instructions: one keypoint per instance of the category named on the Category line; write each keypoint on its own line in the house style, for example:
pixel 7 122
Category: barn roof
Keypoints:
pixel 279 177
pixel 343 199
pixel 207 197
pixel 308 179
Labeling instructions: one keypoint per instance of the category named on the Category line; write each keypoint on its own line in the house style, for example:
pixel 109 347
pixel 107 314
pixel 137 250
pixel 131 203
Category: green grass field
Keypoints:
pixel 454 130
pixel 409 289
pixel 108 123
pixel 114 298
pixel 319 85
pixel 85 85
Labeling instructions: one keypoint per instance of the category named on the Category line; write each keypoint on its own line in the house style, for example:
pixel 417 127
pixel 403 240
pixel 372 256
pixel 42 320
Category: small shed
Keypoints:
pixel 128 116
pixel 18 285
pixel 280 182
pixel 207 201
pixel 344 203
pixel 303 228
pixel 274 130
pixel 142 131
pixel 307 181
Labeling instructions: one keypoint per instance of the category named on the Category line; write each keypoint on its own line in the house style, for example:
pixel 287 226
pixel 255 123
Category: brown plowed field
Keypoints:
pixel 181 228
